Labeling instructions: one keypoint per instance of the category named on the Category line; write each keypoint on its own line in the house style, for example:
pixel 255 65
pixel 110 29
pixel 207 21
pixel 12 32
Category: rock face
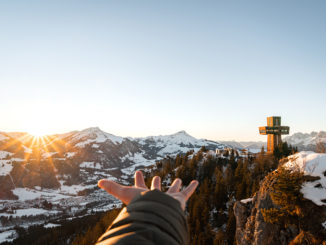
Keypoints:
pixel 251 227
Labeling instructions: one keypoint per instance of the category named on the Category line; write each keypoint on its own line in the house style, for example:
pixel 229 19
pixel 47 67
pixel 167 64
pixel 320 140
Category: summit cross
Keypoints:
pixel 273 130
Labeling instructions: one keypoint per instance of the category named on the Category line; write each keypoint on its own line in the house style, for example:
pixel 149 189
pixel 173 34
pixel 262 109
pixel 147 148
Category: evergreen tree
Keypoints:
pixel 287 196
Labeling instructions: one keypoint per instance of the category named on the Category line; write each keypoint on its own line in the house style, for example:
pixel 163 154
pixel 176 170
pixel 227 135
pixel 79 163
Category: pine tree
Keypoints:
pixel 287 196
pixel 220 191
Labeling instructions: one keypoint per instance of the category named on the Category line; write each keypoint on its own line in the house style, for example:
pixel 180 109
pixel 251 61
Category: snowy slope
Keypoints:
pixel 313 164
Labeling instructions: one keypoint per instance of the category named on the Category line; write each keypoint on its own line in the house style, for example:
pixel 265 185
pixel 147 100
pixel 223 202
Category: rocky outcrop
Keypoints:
pixel 251 227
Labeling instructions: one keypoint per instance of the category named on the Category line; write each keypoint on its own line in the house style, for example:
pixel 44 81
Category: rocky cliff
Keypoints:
pixel 300 222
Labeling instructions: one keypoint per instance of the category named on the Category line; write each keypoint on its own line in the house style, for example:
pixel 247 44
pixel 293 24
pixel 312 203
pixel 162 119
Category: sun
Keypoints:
pixel 37 132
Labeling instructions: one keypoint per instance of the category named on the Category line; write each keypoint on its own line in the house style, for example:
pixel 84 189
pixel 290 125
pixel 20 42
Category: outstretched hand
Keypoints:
pixel 127 193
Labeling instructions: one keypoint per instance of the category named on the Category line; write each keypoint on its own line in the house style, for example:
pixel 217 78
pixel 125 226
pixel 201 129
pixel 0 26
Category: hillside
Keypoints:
pixel 47 180
pixel 235 201
pixel 224 178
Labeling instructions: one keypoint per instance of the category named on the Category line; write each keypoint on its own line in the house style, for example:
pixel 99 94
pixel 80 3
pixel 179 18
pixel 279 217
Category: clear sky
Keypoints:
pixel 216 69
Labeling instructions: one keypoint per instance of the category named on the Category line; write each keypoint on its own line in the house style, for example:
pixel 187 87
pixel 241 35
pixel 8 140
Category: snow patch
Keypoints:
pixel 324 224
pixel 91 165
pixel 5 167
pixel 48 154
pixel 4 154
pixel 50 225
pixel 73 189
pixel 17 159
pixel 245 201
pixel 84 143
pixel 8 236
pixel 70 154
pixel 313 164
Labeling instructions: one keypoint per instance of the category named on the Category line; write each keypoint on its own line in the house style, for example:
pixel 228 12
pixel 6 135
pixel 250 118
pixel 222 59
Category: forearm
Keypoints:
pixel 151 218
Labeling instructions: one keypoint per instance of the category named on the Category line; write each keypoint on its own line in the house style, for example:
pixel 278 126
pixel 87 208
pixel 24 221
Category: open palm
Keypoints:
pixel 127 193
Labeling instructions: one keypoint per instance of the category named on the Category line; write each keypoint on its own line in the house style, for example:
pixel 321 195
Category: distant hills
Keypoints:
pixel 107 149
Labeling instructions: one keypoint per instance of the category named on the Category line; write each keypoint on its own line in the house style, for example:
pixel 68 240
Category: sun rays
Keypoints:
pixel 34 147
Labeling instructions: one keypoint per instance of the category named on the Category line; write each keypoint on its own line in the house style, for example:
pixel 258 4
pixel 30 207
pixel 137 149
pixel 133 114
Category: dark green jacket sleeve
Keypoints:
pixel 151 218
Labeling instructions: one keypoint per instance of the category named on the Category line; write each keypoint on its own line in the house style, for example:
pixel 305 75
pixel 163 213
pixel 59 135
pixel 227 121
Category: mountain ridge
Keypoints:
pixel 62 167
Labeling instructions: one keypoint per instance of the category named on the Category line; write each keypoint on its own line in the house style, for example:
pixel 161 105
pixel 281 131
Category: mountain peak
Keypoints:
pixel 92 130
pixel 96 135
pixel 183 132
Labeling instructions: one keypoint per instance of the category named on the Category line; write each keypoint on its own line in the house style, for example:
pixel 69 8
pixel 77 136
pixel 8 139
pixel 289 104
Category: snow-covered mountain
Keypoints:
pixel 61 171
pixel 306 141
pixel 246 144
pixel 93 148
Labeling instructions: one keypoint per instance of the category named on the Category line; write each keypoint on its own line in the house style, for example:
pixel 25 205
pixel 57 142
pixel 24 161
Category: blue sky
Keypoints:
pixel 216 69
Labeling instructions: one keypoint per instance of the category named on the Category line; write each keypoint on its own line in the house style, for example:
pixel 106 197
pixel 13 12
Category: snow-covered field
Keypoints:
pixel 25 194
pixel 7 236
pixel 29 212
pixel 313 164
